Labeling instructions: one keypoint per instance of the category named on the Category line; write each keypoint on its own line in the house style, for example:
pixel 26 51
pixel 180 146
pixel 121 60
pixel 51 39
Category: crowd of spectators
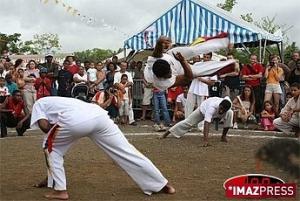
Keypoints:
pixel 258 92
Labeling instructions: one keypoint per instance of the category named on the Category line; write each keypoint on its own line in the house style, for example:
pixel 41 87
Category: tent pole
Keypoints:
pixel 282 52
pixel 124 53
pixel 245 48
pixel 260 42
pixel 264 51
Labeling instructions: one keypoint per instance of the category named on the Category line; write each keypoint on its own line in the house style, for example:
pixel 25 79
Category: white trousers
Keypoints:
pixel 191 101
pixel 288 127
pixel 108 137
pixel 182 127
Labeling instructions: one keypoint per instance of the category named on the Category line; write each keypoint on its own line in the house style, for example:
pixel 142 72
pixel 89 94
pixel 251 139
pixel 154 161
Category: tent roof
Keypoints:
pixel 188 20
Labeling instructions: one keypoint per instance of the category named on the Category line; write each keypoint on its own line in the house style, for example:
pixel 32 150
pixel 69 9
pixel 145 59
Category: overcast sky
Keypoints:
pixel 125 18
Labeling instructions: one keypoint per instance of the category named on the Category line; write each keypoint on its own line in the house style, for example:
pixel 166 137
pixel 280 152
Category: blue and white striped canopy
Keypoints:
pixel 188 20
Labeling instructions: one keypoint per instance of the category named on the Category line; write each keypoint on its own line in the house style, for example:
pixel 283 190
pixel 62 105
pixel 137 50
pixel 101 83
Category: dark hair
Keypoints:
pixel 111 63
pixel 296 85
pixel 2 78
pixel 124 75
pixel 270 102
pixel 252 97
pixel 209 54
pixel 15 91
pixel 226 105
pixel 18 62
pixel 161 68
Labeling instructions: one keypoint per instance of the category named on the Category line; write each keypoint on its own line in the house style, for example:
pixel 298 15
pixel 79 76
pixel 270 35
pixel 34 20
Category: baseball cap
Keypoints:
pixel 49 55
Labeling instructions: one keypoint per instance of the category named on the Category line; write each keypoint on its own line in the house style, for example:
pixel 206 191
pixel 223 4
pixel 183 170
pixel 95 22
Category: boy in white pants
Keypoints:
pixel 65 120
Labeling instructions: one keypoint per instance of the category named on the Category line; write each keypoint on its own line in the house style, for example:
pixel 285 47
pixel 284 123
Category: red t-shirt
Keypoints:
pixel 42 90
pixel 16 107
pixel 73 68
pixel 256 69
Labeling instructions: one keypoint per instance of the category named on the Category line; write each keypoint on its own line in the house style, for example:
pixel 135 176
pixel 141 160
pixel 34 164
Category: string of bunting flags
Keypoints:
pixel 90 21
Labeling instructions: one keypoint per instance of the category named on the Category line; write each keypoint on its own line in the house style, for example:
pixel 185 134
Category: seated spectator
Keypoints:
pixel 243 106
pixel 126 99
pixel 3 90
pixel 13 114
pixel 109 100
pixel 42 84
pixel 267 116
pixel 288 96
pixel 160 103
pixel 179 111
pixel 172 96
pixel 10 84
pixel 289 119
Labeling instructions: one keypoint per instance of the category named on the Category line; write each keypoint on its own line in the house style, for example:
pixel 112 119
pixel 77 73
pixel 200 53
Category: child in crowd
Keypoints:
pixel 160 103
pixel 172 96
pixel 179 111
pixel 3 90
pixel 42 84
pixel 92 76
pixel 267 116
pixel 126 99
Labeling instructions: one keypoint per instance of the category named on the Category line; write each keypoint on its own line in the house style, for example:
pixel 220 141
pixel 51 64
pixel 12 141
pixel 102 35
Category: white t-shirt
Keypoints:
pixel 200 88
pixel 210 107
pixel 163 84
pixel 81 78
pixel 4 91
pixel 181 99
pixel 118 75
pixel 64 111
pixel 92 74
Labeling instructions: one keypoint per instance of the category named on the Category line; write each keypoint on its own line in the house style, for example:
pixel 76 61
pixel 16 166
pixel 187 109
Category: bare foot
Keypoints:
pixel 60 195
pixel 168 189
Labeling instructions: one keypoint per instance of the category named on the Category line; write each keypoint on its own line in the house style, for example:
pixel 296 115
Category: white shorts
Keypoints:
pixel 148 94
pixel 273 89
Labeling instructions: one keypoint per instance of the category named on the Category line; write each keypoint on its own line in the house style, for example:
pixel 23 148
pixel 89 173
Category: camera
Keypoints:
pixel 272 63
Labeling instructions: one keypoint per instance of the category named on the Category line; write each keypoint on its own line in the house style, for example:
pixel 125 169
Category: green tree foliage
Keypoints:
pixel 94 55
pixel 228 5
pixel 45 42
pixel 10 42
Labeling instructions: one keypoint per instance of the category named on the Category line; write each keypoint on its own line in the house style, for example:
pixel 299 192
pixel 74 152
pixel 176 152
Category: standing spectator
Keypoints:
pixel 65 81
pixel 295 74
pixel 10 84
pixel 2 71
pixel 231 81
pixel 160 103
pixel 147 96
pixel 179 111
pixel 290 115
pixel 244 107
pixel 267 116
pixel 30 75
pixel 92 77
pixel 111 70
pixel 73 68
pixel 42 84
pixel 99 83
pixel 126 99
pixel 273 75
pixel 117 79
pixel 295 59
pixel 252 74
pixel 52 69
pixel 19 63
pixel 13 114
pixel 138 71
pixel 20 79
pixel 81 77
